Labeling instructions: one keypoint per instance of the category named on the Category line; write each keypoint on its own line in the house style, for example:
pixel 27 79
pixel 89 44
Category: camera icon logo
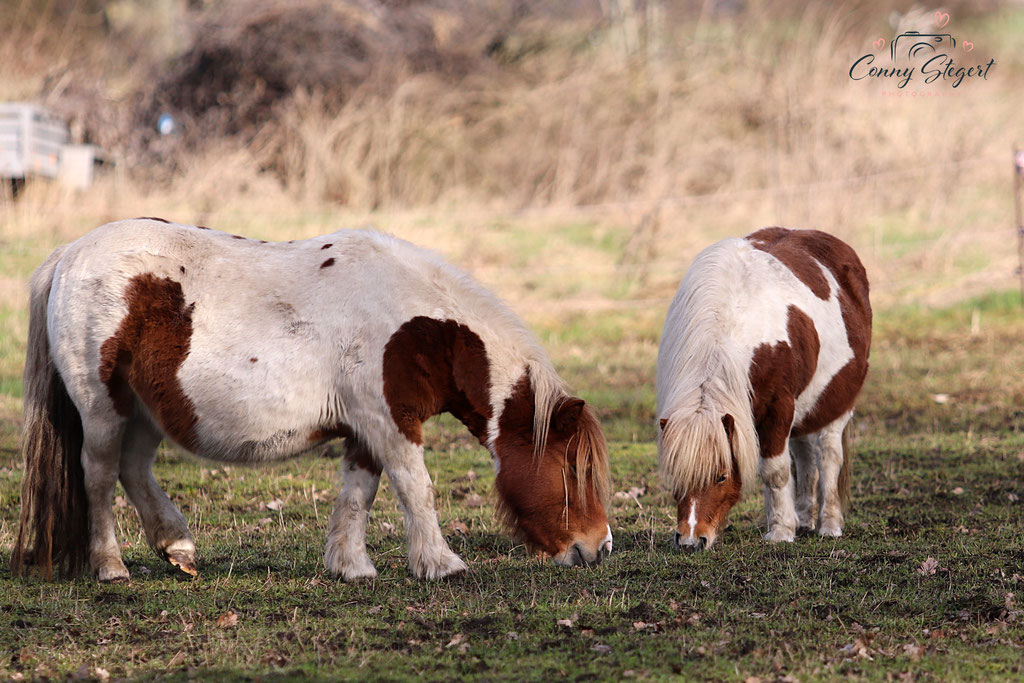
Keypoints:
pixel 913 45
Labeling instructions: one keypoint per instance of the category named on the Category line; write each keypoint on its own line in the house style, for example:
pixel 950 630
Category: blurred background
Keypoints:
pixel 574 155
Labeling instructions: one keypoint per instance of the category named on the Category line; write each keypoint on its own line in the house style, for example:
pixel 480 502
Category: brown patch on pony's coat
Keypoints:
pixel 792 247
pixel 855 305
pixel 144 355
pixel 237 237
pixel 153 218
pixel 329 262
pixel 53 530
pixel 357 455
pixel 778 374
pixel 253 360
pixel 436 366
pixel 202 227
pixel 524 482
pixel 326 246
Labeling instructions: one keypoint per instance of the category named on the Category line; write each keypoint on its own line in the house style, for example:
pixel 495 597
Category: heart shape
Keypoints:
pixel 941 19
pixel 879 44
pixel 968 46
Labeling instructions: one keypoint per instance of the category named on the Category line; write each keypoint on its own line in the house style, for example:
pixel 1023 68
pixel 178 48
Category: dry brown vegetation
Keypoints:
pixel 595 143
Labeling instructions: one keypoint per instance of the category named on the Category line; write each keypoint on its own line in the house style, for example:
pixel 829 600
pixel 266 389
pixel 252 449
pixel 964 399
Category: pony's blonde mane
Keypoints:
pixel 702 377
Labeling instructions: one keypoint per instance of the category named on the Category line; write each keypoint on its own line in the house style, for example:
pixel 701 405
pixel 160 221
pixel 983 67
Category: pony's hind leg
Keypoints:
pixel 830 520
pixel 804 451
pixel 345 554
pixel 100 455
pixel 166 530
pixel 429 554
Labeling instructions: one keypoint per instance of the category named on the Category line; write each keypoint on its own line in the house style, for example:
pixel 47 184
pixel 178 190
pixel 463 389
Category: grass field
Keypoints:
pixel 926 585
pixel 576 171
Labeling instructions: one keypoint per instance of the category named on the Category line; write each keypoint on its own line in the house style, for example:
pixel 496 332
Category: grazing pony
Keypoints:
pixel 764 350
pixel 244 351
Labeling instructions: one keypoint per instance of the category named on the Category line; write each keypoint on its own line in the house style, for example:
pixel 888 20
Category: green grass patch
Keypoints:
pixel 924 585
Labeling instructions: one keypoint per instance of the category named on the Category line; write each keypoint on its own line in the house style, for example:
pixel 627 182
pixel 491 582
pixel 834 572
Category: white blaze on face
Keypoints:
pixel 692 521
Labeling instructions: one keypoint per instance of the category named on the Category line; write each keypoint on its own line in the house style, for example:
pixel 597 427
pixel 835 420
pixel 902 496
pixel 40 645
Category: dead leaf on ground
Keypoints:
pixel 456 639
pixel 913 650
pixel 177 660
pixel 474 500
pixel 387 528
pixel 928 567
pixel 276 505
pixel 458 526
pixel 228 619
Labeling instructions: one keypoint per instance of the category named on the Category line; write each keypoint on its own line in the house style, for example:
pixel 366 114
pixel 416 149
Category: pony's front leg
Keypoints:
pixel 804 451
pixel 773 435
pixel 429 554
pixel 166 530
pixel 345 554
pixel 100 455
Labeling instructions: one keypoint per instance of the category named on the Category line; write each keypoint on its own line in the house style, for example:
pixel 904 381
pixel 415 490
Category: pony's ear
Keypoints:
pixel 663 421
pixel 730 427
pixel 567 415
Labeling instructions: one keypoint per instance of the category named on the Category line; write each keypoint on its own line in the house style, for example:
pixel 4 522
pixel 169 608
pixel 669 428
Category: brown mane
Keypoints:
pixel 587 438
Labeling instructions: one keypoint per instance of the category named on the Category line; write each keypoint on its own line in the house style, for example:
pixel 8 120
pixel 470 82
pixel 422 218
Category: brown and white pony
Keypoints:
pixel 764 350
pixel 244 351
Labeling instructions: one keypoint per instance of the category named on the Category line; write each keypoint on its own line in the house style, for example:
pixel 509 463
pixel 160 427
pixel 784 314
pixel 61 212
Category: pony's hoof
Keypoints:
pixel 362 570
pixel 185 562
pixel 830 530
pixel 780 536
pixel 438 568
pixel 113 572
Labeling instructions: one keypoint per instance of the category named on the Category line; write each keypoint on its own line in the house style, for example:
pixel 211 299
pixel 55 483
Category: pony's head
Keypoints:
pixel 552 477
pixel 708 480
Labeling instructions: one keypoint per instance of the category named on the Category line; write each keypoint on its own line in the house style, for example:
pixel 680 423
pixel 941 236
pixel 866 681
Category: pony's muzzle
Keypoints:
pixel 579 555
pixel 689 543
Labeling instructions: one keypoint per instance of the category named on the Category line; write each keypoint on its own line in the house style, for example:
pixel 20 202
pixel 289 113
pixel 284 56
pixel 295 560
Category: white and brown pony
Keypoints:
pixel 244 351
pixel 764 350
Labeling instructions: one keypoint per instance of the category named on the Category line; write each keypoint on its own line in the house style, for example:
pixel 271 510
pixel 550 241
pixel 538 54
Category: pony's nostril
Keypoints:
pixel 702 543
pixel 676 538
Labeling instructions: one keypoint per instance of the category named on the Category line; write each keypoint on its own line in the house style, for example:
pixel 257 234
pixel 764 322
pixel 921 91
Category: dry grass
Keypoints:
pixel 587 165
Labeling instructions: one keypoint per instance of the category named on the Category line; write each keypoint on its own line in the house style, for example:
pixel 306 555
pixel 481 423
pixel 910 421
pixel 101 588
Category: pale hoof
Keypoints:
pixel 112 571
pixel 358 568
pixel 830 530
pixel 448 564
pixel 779 535
pixel 184 561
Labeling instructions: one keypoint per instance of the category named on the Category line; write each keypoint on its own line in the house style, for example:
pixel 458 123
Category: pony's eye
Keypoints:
pixel 721 479
pixel 572 468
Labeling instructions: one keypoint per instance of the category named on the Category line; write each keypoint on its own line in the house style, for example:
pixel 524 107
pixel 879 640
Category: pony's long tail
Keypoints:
pixel 843 482
pixel 54 528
